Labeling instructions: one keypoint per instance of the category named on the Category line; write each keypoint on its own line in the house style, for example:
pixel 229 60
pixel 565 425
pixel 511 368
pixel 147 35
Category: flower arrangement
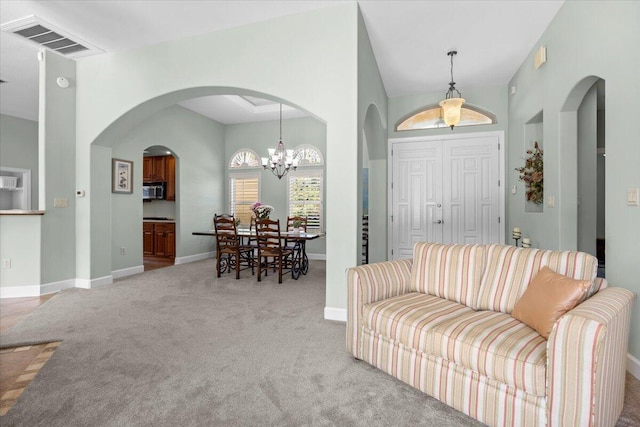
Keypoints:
pixel 261 211
pixel 532 174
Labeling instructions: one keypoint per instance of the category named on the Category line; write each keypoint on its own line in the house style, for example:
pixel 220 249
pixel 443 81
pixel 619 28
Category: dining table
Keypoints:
pixel 299 238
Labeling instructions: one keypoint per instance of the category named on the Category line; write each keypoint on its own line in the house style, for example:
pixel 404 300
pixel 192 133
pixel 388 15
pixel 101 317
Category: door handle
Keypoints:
pixel 438 221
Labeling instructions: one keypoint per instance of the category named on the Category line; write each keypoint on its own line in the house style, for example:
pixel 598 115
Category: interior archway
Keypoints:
pixel 580 126
pixel 374 173
pixel 207 178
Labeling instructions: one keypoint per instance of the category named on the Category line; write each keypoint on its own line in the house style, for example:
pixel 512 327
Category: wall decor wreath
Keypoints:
pixel 532 175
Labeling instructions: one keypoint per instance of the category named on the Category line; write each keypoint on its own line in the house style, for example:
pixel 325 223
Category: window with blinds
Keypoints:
pixel 305 197
pixel 244 192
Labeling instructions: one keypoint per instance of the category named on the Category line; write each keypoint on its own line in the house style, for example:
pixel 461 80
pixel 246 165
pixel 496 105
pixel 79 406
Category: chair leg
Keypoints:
pixel 218 263
pixel 259 269
pixel 237 265
pixel 280 269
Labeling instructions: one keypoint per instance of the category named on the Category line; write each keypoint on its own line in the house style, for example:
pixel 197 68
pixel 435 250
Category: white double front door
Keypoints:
pixel 446 190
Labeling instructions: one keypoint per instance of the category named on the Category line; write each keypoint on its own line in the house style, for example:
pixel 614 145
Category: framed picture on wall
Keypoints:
pixel 121 176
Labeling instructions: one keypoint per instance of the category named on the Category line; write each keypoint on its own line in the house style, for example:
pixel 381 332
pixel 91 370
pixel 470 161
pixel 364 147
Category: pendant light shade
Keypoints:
pixel 452 108
pixel 452 104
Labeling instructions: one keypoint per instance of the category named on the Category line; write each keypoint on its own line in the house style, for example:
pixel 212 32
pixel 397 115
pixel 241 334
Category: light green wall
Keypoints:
pixel 298 58
pixel 585 41
pixel 20 243
pixel 259 136
pixel 19 148
pixel 57 160
pixel 198 145
pixel 492 99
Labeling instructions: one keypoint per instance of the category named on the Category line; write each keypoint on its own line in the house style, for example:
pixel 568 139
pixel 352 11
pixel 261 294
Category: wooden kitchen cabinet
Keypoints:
pixel 159 239
pixel 147 238
pixel 154 169
pixel 171 178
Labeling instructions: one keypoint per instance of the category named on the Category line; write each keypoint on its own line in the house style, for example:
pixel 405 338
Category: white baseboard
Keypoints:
pixel 338 314
pixel 633 366
pixel 94 283
pixel 20 291
pixel 127 271
pixel 36 290
pixel 321 257
pixel 49 288
pixel 193 258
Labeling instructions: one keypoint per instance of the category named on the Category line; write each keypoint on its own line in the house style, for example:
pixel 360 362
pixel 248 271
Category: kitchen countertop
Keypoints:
pixel 21 212
pixel 159 219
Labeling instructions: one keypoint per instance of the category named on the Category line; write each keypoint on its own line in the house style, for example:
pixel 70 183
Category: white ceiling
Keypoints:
pixel 410 40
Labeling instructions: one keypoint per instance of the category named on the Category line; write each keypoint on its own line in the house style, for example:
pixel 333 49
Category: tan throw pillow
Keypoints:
pixel 548 296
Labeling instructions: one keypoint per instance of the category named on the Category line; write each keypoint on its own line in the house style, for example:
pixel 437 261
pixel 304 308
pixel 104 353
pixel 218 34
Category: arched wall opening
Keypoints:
pixel 374 177
pixel 201 177
pixel 578 124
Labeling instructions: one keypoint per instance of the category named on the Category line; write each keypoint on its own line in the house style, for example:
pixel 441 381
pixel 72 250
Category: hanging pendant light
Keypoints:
pixel 452 105
pixel 280 160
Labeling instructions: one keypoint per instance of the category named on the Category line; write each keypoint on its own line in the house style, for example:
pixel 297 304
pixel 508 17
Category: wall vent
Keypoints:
pixel 44 34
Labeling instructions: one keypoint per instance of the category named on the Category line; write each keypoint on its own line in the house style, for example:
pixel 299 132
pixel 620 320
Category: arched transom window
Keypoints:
pixel 431 118
pixel 308 155
pixel 245 158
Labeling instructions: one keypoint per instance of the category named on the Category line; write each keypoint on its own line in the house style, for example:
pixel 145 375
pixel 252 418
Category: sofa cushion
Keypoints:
pixel 408 318
pixel 448 271
pixel 547 298
pixel 493 344
pixel 509 270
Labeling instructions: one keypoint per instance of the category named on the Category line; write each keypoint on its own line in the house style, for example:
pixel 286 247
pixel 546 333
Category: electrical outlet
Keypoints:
pixel 123 251
pixel 6 263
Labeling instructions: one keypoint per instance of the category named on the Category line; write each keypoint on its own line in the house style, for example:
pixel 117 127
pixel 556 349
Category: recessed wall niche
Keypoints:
pixel 533 132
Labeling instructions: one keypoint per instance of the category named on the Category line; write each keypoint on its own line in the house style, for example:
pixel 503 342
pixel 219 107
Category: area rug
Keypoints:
pixel 176 346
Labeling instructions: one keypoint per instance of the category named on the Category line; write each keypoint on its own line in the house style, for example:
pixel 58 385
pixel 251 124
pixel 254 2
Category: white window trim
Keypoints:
pixel 244 167
pixel 313 147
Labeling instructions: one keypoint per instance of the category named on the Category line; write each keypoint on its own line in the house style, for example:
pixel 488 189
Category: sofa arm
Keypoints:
pixel 586 359
pixel 370 283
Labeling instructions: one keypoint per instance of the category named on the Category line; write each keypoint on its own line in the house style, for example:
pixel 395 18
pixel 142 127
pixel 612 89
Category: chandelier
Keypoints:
pixel 280 161
pixel 451 105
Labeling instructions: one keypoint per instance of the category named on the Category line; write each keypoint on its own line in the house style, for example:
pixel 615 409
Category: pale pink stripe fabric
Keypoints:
pixel 452 272
pixel 587 357
pixel 369 283
pixel 509 270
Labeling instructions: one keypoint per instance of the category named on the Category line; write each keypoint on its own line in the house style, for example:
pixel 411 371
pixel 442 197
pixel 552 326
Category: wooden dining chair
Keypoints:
pixel 230 252
pixel 270 247
pixel 298 246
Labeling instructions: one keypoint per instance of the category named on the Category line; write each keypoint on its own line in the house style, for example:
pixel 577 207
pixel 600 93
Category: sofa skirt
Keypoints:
pixel 489 401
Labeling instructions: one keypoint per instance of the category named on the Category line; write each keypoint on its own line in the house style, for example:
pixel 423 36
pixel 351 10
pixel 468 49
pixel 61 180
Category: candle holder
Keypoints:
pixel 526 243
pixel 516 235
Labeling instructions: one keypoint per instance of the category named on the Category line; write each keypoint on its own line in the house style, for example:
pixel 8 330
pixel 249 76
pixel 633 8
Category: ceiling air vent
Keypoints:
pixel 44 34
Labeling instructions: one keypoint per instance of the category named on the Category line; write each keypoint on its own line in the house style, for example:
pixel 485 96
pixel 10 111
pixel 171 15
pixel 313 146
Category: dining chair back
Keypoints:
pixel 230 253
pixel 270 247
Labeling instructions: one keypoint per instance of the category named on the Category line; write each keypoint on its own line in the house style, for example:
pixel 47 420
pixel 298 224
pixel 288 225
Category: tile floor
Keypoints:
pixel 20 365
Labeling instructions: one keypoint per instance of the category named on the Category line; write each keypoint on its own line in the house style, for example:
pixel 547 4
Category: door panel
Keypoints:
pixel 445 191
pixel 416 196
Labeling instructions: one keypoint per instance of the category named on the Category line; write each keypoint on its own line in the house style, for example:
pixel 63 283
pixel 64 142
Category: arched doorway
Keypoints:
pixel 583 150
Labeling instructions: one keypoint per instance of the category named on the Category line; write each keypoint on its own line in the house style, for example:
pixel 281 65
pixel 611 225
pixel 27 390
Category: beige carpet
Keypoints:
pixel 176 346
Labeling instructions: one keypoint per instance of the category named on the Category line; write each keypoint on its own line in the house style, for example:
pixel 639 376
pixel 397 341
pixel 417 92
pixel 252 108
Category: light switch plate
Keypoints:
pixel 632 196
pixel 551 201
pixel 60 203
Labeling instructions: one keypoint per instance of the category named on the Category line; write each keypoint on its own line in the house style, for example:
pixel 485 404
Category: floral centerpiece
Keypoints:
pixel 532 174
pixel 261 211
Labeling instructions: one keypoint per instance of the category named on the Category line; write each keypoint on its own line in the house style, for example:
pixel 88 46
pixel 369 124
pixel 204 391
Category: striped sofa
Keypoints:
pixel 441 323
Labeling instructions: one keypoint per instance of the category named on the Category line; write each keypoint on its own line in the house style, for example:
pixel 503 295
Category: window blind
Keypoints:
pixel 305 198
pixel 245 191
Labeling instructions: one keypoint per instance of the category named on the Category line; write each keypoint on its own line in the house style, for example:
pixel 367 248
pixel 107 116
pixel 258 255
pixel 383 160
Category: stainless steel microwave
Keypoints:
pixel 154 191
